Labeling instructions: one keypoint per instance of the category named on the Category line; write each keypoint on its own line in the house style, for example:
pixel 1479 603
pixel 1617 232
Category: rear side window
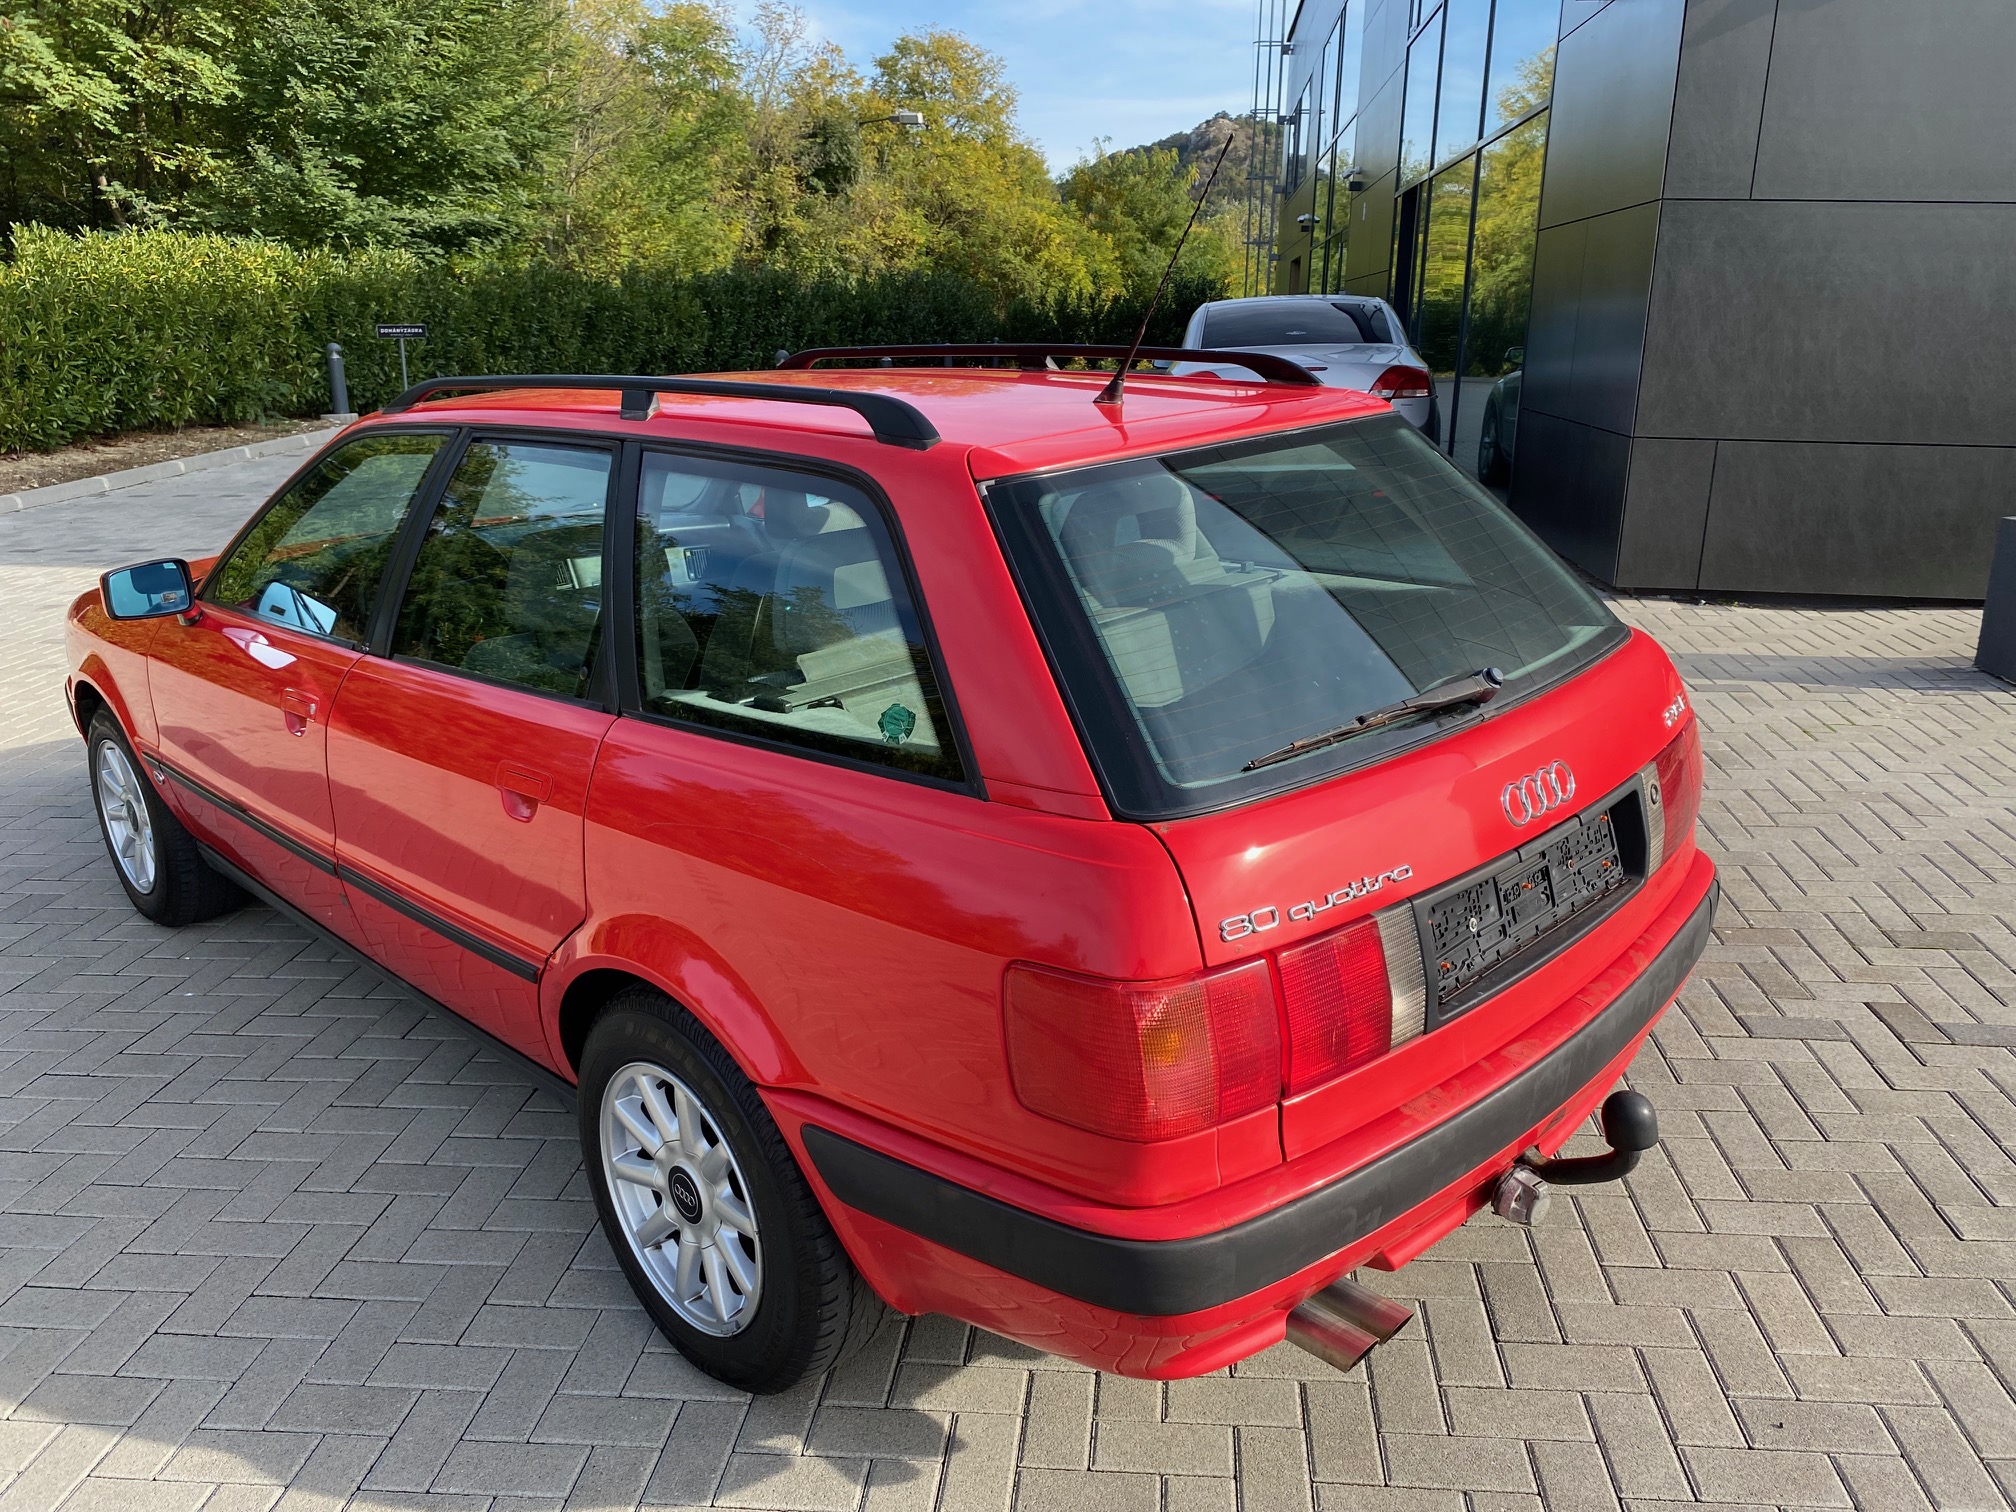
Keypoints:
pixel 508 584
pixel 1209 608
pixel 315 559
pixel 1288 322
pixel 773 604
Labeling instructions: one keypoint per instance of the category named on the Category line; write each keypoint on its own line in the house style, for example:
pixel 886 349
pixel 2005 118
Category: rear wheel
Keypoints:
pixel 1491 466
pixel 159 865
pixel 709 1215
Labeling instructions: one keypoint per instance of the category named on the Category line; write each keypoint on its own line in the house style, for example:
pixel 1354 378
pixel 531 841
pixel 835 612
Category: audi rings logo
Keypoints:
pixel 1537 793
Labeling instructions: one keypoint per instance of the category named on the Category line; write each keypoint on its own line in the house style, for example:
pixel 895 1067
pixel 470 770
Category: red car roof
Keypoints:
pixel 1013 421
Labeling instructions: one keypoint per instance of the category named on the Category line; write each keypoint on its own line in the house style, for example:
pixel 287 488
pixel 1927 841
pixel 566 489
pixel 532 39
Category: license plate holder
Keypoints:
pixel 1486 930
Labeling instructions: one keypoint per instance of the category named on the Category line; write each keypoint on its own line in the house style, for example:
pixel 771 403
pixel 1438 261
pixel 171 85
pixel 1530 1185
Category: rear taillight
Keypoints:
pixel 1143 1060
pixel 1400 382
pixel 1157 1060
pixel 1339 1004
pixel 1350 996
pixel 1673 794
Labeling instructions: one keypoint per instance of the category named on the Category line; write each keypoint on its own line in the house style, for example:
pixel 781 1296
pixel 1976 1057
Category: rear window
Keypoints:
pixel 1287 322
pixel 1207 608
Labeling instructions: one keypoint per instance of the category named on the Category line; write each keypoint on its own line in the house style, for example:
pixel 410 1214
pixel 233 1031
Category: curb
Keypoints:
pixel 154 472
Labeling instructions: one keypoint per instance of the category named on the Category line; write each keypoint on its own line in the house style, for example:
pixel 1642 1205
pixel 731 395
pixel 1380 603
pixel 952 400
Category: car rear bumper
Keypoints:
pixel 1182 1305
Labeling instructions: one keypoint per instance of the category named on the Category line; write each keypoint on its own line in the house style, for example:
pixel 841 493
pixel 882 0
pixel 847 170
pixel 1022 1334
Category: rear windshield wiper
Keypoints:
pixel 1476 687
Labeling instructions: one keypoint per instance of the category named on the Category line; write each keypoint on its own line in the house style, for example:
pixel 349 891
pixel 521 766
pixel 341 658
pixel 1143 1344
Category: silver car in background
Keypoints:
pixel 1347 340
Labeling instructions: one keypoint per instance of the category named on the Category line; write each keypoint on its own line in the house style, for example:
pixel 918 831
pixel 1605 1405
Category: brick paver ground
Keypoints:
pixel 269 1234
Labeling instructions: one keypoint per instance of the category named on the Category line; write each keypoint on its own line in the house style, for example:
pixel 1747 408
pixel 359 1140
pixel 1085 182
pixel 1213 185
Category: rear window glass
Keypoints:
pixel 1287 322
pixel 1208 608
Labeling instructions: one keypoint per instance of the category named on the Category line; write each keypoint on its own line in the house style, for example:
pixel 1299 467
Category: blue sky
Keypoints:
pixel 1128 70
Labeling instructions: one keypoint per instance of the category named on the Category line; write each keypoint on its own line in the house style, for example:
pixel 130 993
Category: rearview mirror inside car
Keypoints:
pixel 150 589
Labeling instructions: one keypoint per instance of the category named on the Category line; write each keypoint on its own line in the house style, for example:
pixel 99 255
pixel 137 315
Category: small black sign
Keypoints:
pixel 409 332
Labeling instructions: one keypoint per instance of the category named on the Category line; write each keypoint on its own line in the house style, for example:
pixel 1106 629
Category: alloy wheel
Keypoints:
pixel 681 1199
pixel 122 803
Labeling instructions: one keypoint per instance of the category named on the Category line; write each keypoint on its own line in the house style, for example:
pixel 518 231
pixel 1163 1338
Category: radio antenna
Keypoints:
pixel 1113 392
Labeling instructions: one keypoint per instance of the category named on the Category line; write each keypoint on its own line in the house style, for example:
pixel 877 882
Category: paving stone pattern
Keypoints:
pixel 269 1235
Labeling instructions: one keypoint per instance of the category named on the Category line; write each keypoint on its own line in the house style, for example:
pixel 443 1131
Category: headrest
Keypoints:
pixel 1121 538
pixel 790 516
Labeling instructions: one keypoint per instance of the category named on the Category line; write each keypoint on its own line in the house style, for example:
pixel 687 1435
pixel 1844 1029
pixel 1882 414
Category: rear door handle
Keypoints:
pixel 522 789
pixel 298 709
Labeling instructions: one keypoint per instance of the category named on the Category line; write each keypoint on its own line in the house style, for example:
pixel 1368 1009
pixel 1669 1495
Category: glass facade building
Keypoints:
pixel 1637 242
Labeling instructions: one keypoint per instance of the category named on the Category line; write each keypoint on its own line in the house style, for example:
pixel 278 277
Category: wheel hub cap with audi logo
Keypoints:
pixel 1537 793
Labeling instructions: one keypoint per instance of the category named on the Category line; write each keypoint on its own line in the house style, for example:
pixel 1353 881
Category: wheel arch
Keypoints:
pixel 85 702
pixel 657 954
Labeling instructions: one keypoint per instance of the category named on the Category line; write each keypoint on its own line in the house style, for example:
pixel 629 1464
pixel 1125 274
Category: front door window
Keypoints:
pixel 316 558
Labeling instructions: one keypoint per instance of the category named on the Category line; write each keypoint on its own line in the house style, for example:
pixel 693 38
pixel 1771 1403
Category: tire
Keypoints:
pixel 1491 466
pixel 154 857
pixel 779 1299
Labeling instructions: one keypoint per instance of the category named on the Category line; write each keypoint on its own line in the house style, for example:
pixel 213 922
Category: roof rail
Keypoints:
pixel 1043 354
pixel 894 422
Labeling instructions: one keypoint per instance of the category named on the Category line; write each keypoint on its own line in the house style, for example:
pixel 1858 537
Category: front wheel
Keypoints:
pixel 159 864
pixel 700 1197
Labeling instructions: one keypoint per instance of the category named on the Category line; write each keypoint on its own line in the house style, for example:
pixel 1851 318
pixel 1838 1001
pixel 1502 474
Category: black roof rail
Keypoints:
pixel 894 422
pixel 1042 354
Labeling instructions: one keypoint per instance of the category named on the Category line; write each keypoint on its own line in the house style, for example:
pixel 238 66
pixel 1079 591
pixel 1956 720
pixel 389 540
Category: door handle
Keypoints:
pixel 522 790
pixel 298 710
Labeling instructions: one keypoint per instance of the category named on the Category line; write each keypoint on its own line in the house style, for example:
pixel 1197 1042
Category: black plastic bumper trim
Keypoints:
pixel 1164 1278
pixel 217 800
pixel 517 965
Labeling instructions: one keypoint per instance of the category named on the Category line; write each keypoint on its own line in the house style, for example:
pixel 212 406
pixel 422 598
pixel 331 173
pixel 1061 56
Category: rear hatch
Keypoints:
pixel 1254 637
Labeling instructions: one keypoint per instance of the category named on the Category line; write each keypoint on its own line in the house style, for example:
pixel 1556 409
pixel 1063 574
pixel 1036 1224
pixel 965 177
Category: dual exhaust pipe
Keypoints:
pixel 1344 1322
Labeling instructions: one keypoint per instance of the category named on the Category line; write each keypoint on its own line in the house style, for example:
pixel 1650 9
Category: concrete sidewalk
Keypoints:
pixel 270 1236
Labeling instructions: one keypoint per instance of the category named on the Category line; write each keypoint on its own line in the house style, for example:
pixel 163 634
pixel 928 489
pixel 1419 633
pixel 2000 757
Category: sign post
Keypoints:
pixel 402 334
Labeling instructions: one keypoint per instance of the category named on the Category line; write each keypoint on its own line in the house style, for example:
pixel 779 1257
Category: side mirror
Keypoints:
pixel 148 591
pixel 1163 365
pixel 1515 356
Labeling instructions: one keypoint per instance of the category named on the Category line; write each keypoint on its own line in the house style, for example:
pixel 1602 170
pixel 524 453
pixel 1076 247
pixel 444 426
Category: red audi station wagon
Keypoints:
pixel 1102 871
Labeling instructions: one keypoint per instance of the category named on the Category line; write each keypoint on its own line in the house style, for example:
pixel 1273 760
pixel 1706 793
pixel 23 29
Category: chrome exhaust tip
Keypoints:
pixel 1344 1322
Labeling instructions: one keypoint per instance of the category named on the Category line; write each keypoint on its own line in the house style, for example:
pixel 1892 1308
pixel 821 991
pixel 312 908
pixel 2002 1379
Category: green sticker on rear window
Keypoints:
pixel 896 724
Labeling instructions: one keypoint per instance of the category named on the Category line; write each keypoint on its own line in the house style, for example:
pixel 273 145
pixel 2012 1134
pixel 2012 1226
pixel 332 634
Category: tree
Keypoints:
pixel 101 108
pixel 986 203
pixel 404 123
pixel 1140 201
pixel 653 127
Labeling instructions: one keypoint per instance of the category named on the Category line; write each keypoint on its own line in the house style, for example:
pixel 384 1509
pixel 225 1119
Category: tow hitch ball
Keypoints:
pixel 1630 1124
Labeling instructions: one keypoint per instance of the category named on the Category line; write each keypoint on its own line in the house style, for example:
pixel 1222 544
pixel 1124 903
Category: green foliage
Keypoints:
pixel 390 123
pixel 552 185
pixel 1140 202
pixel 108 332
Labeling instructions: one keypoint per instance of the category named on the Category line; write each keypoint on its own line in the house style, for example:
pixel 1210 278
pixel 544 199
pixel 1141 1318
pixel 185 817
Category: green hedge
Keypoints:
pixel 103 333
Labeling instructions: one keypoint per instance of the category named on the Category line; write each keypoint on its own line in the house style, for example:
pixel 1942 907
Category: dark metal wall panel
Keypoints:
pixel 1908 521
pixel 1311 29
pixel 1379 132
pixel 1575 12
pixel 1807 321
pixel 1885 100
pixel 1665 513
pixel 1585 338
pixel 1725 56
pixel 1385 45
pixel 1568 484
pixel 1371 246
pixel 1613 107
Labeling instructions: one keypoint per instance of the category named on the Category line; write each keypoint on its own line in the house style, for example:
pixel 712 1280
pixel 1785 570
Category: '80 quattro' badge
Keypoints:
pixel 1528 798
